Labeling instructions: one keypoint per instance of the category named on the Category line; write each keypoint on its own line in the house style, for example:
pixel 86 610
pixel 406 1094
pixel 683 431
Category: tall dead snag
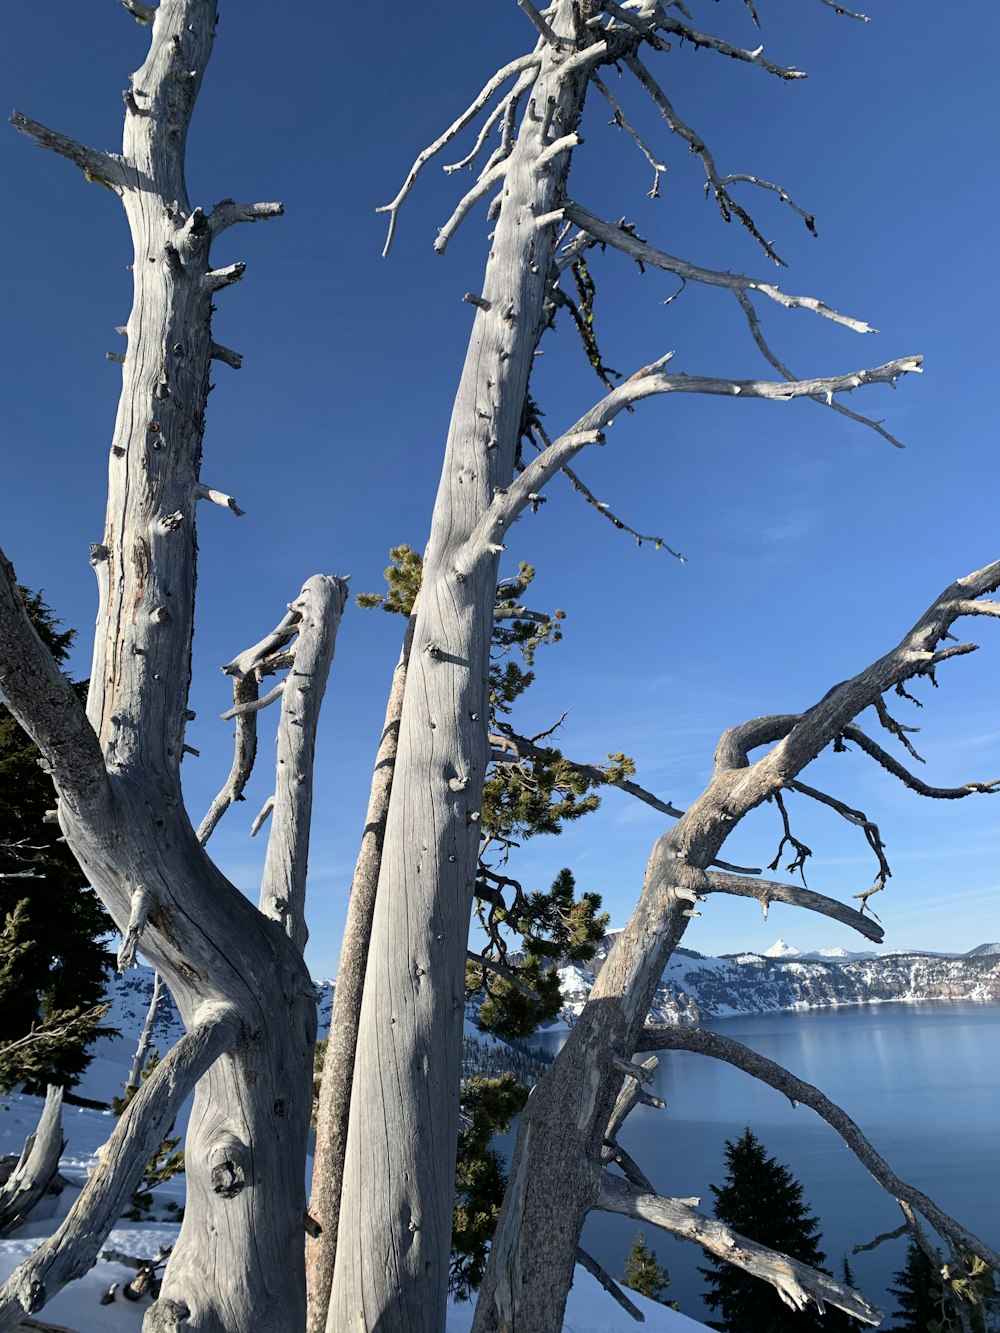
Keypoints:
pixel 236 972
pixel 568 1134
pixel 392 1262
pixel 333 1112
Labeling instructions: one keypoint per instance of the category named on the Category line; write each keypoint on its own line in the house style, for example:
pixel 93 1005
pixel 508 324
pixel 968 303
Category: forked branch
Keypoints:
pixel 648 382
pixel 471 111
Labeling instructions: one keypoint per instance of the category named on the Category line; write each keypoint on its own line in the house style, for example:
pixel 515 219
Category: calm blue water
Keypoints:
pixel 922 1081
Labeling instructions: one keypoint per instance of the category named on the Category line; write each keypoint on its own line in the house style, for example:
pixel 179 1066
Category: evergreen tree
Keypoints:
pixel 53 962
pixel 488 1106
pixel 763 1201
pixel 643 1273
pixel 927 1302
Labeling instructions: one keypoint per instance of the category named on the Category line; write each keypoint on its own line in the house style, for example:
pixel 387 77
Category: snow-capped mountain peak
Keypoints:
pixel 779 949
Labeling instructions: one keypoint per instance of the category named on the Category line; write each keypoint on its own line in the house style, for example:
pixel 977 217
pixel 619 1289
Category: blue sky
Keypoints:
pixel 811 543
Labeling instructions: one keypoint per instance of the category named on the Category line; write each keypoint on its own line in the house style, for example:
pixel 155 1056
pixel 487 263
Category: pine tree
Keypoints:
pixel 642 1271
pixel 763 1201
pixel 928 1303
pixel 488 1106
pixel 52 957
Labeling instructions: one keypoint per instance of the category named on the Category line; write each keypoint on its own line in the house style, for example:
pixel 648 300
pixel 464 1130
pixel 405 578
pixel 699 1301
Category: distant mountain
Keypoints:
pixel 695 988
pixel 782 950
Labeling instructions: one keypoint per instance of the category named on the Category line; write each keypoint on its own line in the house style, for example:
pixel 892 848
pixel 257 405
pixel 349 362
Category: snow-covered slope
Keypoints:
pixel 695 987
pixel 78 1307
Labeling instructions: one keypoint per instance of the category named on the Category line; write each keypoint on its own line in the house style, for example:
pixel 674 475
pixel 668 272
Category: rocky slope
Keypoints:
pixel 695 987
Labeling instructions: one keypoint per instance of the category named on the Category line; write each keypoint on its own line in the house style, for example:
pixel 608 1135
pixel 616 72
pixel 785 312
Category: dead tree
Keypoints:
pixel 30 1175
pixel 392 1261
pixel 236 971
pixel 568 1134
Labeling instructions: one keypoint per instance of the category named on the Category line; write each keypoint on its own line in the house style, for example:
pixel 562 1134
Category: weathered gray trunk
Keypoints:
pixel 392 1263
pixel 239 1260
pixel 338 1063
pixel 560 1140
pixel 34 1171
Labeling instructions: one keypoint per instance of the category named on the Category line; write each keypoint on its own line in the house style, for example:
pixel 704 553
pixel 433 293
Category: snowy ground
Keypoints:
pixel 590 1309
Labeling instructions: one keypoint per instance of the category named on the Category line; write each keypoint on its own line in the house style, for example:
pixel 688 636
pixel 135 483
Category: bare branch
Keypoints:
pixel 746 179
pixel 265 812
pixel 505 110
pixel 245 689
pixel 254 704
pixel 101 168
pixel 73 1249
pixel 609 1285
pixel 626 241
pixel 623 123
pixel 209 493
pixel 227 213
pixel 728 206
pixel 897 729
pixel 768 891
pixel 713 43
pixel 215 279
pixel 142 12
pixel 630 1095
pixel 523 63
pixel 134 1079
pixel 847 13
pixel 893 766
pixel 858 817
pixel 666 1037
pixel 283 887
pixel 802 852
pixel 539 23
pixel 282 634
pixel 604 509
pixel 795 1283
pixel 650 381
pixel 488 181
pixel 747 306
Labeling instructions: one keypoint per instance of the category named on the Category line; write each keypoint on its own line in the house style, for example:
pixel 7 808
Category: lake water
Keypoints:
pixel 922 1081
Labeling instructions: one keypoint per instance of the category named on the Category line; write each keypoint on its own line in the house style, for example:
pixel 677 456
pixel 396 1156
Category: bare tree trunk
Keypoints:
pixel 134 1079
pixel 236 972
pixel 392 1265
pixel 37 1166
pixel 338 1063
